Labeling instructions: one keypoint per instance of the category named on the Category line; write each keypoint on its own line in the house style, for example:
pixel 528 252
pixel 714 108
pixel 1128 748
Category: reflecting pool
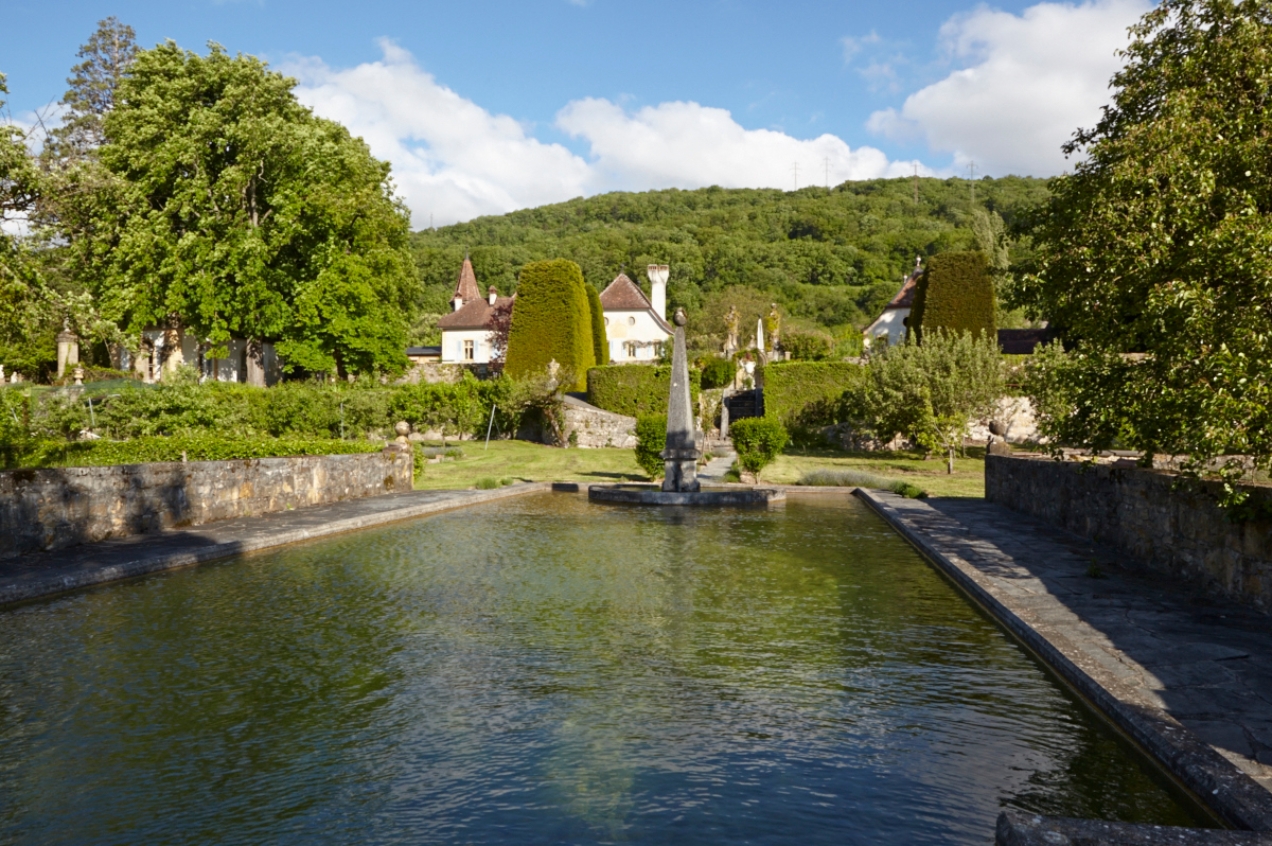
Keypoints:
pixel 542 670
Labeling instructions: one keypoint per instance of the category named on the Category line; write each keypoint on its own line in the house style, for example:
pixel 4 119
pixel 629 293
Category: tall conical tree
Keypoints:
pixel 106 58
pixel 552 322
pixel 600 343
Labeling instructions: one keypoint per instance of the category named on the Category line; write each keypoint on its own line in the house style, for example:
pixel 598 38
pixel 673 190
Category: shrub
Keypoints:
pixel 860 479
pixel 191 447
pixel 717 372
pixel 806 394
pixel 808 346
pixel 600 342
pixel 651 440
pixel 757 440
pixel 551 322
pixel 635 389
pixel 956 294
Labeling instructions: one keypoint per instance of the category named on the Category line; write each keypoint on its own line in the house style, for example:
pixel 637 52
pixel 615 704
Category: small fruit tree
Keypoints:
pixel 757 440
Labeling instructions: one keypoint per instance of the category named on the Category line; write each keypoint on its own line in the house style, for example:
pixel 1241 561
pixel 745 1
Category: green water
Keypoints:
pixel 543 670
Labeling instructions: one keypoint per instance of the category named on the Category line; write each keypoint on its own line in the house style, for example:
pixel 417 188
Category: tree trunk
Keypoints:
pixel 949 466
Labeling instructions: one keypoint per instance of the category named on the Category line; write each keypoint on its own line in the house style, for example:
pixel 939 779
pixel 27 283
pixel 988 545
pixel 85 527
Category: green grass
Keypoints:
pixel 968 479
pixel 508 462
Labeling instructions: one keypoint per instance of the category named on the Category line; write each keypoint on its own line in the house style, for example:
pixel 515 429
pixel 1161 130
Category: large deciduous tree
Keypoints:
pixel 1155 254
pixel 236 212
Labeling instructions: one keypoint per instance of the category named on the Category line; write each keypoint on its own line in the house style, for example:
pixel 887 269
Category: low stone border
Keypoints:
pixel 653 496
pixel 1218 783
pixel 149 561
pixel 1016 828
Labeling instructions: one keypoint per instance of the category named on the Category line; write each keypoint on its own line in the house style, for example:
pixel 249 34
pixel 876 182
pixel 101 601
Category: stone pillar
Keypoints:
pixel 681 454
pixel 67 351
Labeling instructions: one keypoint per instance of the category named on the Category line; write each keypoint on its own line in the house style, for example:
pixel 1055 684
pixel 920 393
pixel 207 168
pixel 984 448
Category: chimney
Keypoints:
pixel 492 295
pixel 658 288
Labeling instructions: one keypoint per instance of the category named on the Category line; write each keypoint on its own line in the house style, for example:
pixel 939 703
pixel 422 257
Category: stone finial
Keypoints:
pixel 78 373
pixel 403 429
pixel 680 317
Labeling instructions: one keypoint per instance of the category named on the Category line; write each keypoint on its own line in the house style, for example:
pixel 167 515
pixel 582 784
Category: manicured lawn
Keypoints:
pixel 522 461
pixel 968 479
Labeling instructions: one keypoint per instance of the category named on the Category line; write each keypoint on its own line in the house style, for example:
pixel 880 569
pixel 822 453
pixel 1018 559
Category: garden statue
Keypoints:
pixel 774 326
pixel 731 322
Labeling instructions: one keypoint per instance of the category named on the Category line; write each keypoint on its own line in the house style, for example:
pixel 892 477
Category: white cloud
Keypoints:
pixel 854 44
pixel 690 146
pixel 453 160
pixel 1031 80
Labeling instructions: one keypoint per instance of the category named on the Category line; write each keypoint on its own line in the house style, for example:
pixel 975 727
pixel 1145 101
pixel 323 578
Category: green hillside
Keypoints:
pixel 831 259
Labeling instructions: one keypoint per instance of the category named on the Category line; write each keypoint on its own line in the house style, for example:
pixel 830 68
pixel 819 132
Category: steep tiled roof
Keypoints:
pixel 466 286
pixel 624 295
pixel 474 314
pixel 905 297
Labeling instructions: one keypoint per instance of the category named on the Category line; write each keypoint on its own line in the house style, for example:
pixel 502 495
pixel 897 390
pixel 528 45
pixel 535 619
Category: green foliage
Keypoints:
pixel 461 408
pixel 1158 245
pixel 806 394
pixel 956 294
pixel 928 393
pixel 651 440
pixel 860 479
pixel 717 372
pixel 830 258
pixel 105 58
pixel 635 389
pixel 600 343
pixel 808 346
pixel 551 322
pixel 236 210
pixel 188 447
pixel 757 440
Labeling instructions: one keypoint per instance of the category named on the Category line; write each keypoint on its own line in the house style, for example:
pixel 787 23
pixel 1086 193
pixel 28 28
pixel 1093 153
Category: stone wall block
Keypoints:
pixel 55 508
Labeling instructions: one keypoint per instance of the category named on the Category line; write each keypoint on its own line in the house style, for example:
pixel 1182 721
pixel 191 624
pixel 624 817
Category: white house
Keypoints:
pixel 636 327
pixel 466 330
pixel 891 323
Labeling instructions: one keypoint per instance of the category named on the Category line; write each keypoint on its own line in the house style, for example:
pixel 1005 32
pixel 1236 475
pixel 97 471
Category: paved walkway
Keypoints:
pixel 48 573
pixel 713 471
pixel 1188 676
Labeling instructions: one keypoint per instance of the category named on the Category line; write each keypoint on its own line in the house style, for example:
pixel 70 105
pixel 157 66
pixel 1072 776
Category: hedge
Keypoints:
pixel 552 321
pixel 804 394
pixel 651 440
pixel 600 339
pixel 636 390
pixel 190 447
pixel 955 293
pixel 758 441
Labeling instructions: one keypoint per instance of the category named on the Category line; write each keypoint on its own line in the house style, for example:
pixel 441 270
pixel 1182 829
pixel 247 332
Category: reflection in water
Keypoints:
pixel 546 671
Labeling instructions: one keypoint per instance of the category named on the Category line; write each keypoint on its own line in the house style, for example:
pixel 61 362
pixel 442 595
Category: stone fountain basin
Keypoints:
pixel 653 495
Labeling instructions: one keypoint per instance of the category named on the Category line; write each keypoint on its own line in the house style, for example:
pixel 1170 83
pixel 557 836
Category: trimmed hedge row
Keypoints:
pixel 636 390
pixel 552 322
pixel 600 338
pixel 189 447
pixel 804 394
pixel 955 293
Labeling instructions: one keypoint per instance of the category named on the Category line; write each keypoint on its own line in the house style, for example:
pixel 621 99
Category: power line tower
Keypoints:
pixel 827 161
pixel 916 183
pixel 795 170
pixel 971 179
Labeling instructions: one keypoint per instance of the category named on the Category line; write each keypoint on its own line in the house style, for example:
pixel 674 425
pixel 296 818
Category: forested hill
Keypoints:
pixel 829 257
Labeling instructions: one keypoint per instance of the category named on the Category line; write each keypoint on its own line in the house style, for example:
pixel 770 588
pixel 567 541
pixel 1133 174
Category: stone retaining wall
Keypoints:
pixel 1177 531
pixel 55 508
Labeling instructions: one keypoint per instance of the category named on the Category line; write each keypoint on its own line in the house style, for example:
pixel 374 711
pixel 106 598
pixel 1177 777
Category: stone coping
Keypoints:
pixel 970 553
pixel 1016 828
pixel 39 575
pixel 653 496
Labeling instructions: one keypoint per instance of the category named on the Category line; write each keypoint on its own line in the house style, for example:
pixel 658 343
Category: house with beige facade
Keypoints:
pixel 466 330
pixel 636 325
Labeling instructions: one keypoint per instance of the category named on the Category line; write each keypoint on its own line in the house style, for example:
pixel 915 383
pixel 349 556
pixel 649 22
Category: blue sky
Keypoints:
pixel 488 105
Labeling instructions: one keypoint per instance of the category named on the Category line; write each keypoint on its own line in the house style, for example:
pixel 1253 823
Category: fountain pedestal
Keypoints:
pixel 680 479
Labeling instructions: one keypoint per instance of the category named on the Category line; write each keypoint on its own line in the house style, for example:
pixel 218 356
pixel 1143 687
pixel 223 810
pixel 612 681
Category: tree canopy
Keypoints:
pixel 830 258
pixel 1154 257
pixel 235 212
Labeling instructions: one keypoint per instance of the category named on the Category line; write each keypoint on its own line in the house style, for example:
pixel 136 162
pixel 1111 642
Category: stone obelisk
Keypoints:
pixel 681 454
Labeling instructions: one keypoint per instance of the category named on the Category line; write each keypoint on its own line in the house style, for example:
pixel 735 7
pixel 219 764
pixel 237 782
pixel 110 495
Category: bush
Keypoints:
pixel 806 394
pixel 635 389
pixel 191 447
pixel 651 440
pixel 600 343
pixel 757 440
pixel 808 346
pixel 552 321
pixel 717 372
pixel 860 479
pixel 955 294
